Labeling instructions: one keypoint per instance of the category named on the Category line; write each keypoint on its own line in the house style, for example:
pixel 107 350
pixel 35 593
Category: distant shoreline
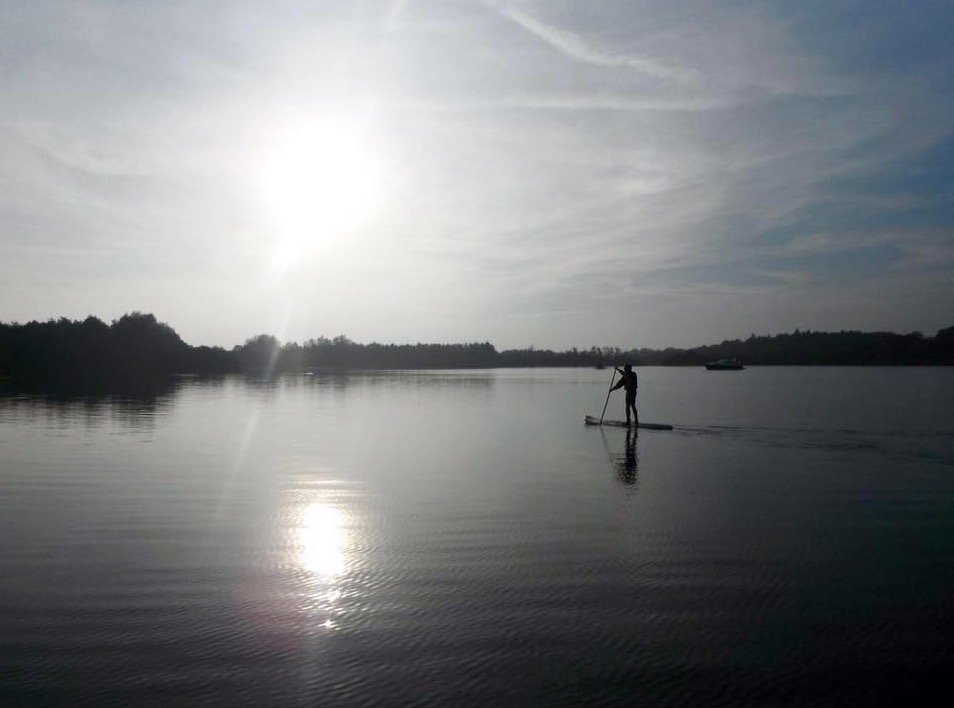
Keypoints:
pixel 137 349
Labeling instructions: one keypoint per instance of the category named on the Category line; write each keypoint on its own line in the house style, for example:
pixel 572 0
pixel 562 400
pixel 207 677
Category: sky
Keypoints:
pixel 552 174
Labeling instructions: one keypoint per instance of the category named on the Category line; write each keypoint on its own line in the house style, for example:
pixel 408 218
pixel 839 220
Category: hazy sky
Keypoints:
pixel 553 174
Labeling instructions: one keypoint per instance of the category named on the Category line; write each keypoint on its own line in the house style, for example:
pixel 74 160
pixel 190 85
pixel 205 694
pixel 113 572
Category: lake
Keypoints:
pixel 460 538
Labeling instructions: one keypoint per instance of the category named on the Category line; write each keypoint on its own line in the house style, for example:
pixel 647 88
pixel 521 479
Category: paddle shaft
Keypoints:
pixel 612 381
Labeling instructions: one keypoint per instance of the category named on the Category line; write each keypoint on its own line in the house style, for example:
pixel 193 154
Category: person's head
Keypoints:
pixel 627 367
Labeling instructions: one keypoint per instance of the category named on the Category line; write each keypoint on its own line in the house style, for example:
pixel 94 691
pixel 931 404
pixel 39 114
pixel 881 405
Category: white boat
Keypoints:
pixel 725 365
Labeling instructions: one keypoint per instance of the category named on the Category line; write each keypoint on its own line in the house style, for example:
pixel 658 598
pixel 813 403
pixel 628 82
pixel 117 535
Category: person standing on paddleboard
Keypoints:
pixel 628 380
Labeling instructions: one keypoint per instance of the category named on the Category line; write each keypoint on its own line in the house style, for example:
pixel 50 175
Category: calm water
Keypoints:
pixel 460 538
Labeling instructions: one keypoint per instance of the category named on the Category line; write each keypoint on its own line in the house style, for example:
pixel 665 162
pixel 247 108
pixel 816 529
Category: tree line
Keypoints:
pixel 137 348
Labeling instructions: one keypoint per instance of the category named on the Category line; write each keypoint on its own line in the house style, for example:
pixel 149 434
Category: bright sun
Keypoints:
pixel 321 183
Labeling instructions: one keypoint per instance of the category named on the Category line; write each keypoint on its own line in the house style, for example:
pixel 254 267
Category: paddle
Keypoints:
pixel 612 381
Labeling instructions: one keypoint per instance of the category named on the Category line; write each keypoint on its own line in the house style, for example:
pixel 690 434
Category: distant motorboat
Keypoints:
pixel 725 365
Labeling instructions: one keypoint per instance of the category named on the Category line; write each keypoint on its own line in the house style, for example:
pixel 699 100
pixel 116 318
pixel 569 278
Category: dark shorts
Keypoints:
pixel 631 397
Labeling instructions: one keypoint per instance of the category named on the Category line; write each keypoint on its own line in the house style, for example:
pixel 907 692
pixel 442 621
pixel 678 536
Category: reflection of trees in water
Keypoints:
pixel 50 407
pixel 137 407
pixel 341 379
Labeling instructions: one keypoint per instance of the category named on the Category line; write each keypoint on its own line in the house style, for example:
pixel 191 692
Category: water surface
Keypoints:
pixel 460 538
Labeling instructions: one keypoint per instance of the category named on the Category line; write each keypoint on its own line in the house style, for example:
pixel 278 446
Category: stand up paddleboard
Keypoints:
pixel 593 420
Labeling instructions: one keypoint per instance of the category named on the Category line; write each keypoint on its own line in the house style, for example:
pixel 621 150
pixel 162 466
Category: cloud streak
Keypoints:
pixel 577 48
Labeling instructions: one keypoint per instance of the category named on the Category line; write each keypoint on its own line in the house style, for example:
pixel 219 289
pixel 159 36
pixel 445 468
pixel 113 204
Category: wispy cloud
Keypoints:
pixel 576 47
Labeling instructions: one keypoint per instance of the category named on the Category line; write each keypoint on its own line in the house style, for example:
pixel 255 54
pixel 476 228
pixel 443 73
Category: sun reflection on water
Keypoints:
pixel 322 540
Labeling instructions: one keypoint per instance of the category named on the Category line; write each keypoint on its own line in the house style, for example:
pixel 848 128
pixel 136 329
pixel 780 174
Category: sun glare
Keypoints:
pixel 321 183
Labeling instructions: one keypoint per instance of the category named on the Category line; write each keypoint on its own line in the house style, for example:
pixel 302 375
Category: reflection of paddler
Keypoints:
pixel 628 466
pixel 629 382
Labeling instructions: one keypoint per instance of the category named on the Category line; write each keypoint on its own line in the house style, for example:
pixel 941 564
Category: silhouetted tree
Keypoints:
pixel 259 355
pixel 133 351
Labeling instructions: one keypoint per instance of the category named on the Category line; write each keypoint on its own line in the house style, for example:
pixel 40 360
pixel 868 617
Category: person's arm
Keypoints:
pixel 619 384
